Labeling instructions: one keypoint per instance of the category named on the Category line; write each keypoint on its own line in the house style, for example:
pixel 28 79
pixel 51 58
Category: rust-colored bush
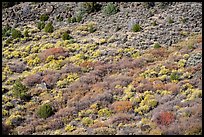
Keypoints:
pixel 144 85
pixel 158 85
pixel 172 87
pixel 99 124
pixel 87 64
pixel 52 51
pixel 165 118
pixel 122 106
pixel 159 53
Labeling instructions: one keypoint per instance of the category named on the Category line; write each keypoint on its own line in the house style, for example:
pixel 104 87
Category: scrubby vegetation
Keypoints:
pixel 49 27
pixel 110 9
pixel 44 111
pixel 83 75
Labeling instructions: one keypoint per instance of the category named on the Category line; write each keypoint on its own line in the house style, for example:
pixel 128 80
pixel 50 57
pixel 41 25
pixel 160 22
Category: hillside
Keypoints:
pixel 84 68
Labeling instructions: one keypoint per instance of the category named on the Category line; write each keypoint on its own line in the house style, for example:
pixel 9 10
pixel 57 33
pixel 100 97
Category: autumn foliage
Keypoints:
pixel 122 106
pixel 52 51
pixel 165 118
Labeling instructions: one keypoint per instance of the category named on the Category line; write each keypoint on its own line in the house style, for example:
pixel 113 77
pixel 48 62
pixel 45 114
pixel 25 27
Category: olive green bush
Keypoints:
pixel 44 111
pixel 110 9
pixel 44 17
pixel 41 25
pixel 19 90
pixel 66 36
pixel 15 33
pixel 49 28
pixel 136 28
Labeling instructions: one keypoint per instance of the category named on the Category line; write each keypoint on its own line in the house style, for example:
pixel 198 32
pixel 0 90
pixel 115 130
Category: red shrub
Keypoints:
pixel 165 118
pixel 52 51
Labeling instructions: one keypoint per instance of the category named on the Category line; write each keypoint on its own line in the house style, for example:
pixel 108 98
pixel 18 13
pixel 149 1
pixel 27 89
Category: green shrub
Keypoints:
pixel 19 90
pixel 44 17
pixel 73 19
pixel 6 31
pixel 59 18
pixel 15 34
pixel 8 41
pixel 136 28
pixel 110 9
pixel 69 19
pixel 154 23
pixel 49 28
pixel 66 36
pixel 89 7
pixel 79 17
pixel 91 28
pixel 44 111
pixel 148 4
pixel 170 21
pixel 41 25
pixel 156 45
pixel 174 76
pixel 26 33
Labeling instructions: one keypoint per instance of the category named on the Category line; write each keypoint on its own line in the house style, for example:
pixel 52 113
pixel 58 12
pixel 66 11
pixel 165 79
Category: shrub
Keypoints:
pixel 174 76
pixel 79 17
pixel 44 111
pixel 73 19
pixel 136 28
pixel 89 7
pixel 52 51
pixel 87 121
pixel 26 33
pixel 122 106
pixel 148 4
pixel 44 17
pixel 91 28
pixel 6 31
pixel 49 27
pixel 19 90
pixel 15 33
pixel 66 36
pixel 154 23
pixel 41 25
pixel 50 79
pixel 110 9
pixel 69 19
pixel 157 45
pixel 32 80
pixel 165 118
pixel 59 18
pixel 17 67
pixel 170 21
pixel 104 112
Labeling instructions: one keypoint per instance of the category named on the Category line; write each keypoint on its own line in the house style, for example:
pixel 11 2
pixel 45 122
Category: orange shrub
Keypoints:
pixel 122 106
pixel 52 51
pixel 172 87
pixel 158 85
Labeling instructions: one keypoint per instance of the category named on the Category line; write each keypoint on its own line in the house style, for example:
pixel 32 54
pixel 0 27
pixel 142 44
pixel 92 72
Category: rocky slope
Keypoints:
pixel 99 76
